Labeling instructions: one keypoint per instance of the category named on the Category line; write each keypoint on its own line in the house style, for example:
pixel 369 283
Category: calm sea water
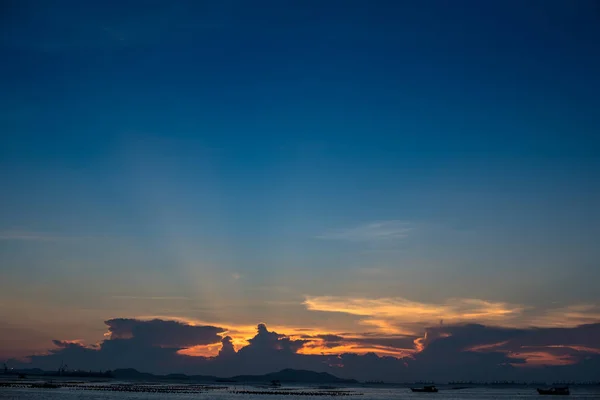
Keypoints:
pixel 381 393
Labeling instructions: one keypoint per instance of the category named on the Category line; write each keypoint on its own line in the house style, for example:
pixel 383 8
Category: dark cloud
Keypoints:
pixel 63 344
pixel 482 338
pixel 227 349
pixel 480 352
pixel 163 333
pixel 405 342
pixel 330 338
pixel 453 352
pixel 266 341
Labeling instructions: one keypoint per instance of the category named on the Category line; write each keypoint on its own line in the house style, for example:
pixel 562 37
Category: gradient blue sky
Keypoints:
pixel 236 162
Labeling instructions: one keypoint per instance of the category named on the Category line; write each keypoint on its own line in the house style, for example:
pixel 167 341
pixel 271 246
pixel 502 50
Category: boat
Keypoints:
pixel 425 389
pixel 275 383
pixel 556 391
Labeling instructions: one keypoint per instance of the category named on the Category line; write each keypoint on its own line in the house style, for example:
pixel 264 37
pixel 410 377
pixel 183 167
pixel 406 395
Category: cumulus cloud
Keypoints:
pixel 266 341
pixel 227 348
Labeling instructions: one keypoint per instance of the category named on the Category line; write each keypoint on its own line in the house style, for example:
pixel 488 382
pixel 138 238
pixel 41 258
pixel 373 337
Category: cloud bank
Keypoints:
pixel 443 352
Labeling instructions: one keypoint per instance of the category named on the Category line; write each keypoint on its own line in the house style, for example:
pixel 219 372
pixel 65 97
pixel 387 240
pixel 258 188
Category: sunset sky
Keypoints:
pixel 360 176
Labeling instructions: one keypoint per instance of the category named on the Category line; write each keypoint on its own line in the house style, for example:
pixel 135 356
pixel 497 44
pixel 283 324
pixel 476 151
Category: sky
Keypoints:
pixel 343 183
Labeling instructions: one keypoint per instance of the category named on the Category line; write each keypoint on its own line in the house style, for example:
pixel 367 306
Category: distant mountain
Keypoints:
pixel 134 374
pixel 294 375
pixel 286 375
pixel 130 373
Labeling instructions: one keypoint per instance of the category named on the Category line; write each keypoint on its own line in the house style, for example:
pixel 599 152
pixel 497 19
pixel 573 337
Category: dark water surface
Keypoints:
pixel 361 393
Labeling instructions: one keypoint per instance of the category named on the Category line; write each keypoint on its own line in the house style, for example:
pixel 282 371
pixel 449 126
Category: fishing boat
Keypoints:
pixel 556 391
pixel 425 389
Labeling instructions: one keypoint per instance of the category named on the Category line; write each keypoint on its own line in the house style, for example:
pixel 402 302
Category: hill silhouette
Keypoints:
pixel 286 375
pixel 294 375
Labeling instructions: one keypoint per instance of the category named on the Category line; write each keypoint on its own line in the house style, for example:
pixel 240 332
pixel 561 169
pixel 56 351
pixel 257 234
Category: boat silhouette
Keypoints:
pixel 425 389
pixel 557 391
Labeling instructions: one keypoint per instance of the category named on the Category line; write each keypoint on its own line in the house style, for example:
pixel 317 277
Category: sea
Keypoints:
pixel 286 392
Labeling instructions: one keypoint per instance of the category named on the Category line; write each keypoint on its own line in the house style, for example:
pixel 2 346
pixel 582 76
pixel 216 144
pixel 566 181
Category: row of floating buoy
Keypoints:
pixel 294 393
pixel 183 389
pixel 147 388
pixel 15 385
pixel 118 387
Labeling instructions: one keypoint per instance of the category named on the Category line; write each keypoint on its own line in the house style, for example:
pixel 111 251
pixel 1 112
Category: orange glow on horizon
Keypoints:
pixel 210 350
pixel 318 348
pixel 379 317
pixel 240 335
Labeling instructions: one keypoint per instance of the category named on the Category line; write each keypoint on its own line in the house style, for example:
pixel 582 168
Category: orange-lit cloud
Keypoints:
pixel 389 314
pixel 319 347
pixel 211 350
pixel 240 335
pixel 552 355
pixel 394 317
pixel 421 343
pixel 67 342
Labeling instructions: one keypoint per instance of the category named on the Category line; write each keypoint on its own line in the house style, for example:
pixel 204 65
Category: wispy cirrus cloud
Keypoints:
pixel 396 315
pixel 390 314
pixel 31 236
pixel 372 232
pixel 570 315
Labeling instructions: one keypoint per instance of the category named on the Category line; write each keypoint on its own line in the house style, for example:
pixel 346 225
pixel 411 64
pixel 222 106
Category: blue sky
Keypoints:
pixel 237 157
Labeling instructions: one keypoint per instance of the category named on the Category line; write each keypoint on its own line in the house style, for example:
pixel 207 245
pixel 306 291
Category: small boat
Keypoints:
pixel 425 389
pixel 556 391
pixel 275 383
